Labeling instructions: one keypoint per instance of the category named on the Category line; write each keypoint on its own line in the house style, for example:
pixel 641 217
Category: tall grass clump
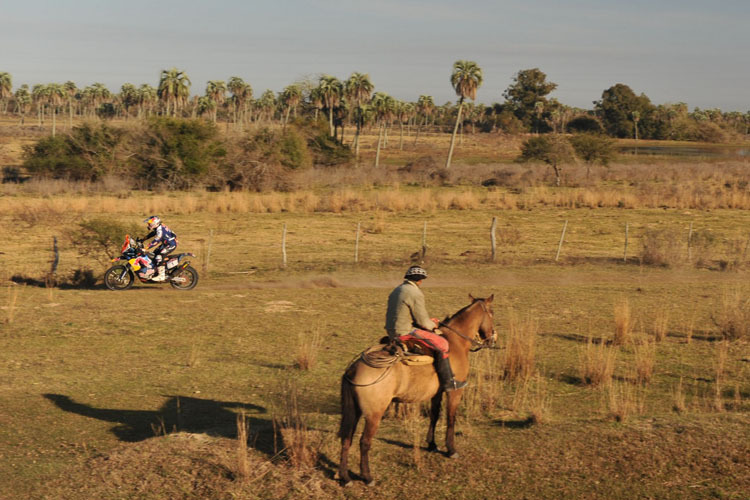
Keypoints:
pixel 733 318
pixel 11 307
pixel 243 467
pixel 624 400
pixel 644 361
pixel 661 323
pixel 520 349
pixel 623 323
pixel 722 353
pixel 597 363
pixel 307 349
pixel 658 247
pixel 302 446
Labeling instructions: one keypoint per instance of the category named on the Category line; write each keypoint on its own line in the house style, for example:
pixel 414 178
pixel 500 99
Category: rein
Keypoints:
pixel 478 346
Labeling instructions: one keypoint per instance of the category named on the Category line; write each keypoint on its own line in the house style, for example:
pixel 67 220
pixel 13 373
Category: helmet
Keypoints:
pixel 153 222
pixel 415 273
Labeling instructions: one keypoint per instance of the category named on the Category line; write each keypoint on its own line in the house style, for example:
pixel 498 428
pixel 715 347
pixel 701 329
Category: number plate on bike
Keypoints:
pixel 172 263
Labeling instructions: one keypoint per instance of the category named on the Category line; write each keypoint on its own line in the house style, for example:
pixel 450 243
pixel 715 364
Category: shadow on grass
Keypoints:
pixel 523 423
pixel 84 282
pixel 583 339
pixel 178 413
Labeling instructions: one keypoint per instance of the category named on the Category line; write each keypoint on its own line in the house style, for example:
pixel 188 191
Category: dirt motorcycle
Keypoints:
pixel 121 276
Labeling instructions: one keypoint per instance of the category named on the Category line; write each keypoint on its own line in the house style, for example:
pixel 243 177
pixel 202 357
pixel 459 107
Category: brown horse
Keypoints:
pixel 367 391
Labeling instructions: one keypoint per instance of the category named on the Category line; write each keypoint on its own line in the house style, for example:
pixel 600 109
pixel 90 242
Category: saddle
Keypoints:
pixel 410 353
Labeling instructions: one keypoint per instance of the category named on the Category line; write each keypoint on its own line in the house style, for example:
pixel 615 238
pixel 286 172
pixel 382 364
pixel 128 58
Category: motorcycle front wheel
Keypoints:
pixel 118 278
pixel 186 280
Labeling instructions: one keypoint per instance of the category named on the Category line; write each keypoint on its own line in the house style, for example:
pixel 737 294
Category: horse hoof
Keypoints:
pixel 346 484
pixel 370 483
pixel 432 447
pixel 453 455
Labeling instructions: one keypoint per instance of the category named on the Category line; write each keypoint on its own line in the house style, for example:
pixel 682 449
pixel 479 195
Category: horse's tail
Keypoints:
pixel 350 410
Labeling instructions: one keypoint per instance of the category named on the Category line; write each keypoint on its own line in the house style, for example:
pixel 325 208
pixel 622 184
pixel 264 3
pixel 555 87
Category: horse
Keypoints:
pixel 367 391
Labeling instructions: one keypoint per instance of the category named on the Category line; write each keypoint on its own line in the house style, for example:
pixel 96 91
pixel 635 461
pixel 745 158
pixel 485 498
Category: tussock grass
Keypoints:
pixel 661 323
pixel 597 363
pixel 644 360
pixel 733 318
pixel 678 397
pixel 10 309
pixel 301 445
pixel 623 323
pixel 243 466
pixel 520 348
pixel 624 400
pixel 307 349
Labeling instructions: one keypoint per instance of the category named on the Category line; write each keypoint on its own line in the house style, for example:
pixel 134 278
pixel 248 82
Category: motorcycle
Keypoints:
pixel 121 276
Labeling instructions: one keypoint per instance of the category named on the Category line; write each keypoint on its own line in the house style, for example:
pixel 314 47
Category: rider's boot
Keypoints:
pixel 162 274
pixel 445 374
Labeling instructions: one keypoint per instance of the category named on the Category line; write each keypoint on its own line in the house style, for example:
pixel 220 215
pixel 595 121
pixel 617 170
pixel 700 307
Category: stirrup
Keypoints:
pixel 454 385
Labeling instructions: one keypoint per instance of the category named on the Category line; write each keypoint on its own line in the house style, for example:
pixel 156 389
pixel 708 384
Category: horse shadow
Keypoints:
pixel 178 413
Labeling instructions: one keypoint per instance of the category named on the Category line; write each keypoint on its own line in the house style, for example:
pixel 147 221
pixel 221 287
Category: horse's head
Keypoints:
pixel 487 324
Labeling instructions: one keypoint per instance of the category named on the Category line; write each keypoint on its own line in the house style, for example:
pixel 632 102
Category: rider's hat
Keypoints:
pixel 415 273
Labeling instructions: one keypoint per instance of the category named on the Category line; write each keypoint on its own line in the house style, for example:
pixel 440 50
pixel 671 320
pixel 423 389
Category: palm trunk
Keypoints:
pixel 401 141
pixel 356 139
pixel 380 140
pixel 419 128
pixel 330 120
pixel 54 121
pixel 455 129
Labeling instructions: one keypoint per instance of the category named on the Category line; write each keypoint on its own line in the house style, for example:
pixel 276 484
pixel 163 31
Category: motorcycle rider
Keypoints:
pixel 407 319
pixel 164 242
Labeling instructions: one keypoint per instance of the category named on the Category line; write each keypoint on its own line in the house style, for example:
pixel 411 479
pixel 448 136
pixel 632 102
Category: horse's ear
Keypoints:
pixel 471 298
pixel 490 299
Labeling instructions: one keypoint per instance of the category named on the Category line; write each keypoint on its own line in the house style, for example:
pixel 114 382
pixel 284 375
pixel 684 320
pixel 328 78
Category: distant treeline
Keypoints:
pixel 620 112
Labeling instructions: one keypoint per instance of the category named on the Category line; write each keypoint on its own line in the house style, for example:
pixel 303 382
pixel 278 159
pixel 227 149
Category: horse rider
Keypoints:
pixel 164 242
pixel 407 319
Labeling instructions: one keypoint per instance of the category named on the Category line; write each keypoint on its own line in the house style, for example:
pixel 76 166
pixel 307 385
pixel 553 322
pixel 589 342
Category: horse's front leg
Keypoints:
pixel 372 422
pixel 454 397
pixel 437 401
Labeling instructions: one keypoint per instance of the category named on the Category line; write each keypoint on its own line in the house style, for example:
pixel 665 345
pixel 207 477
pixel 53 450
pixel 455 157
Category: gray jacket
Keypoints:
pixel 406 310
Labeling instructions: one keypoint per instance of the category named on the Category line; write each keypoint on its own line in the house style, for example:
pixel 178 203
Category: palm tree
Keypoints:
pixel 70 92
pixel 331 91
pixel 23 101
pixel 38 96
pixel 358 89
pixel 425 107
pixel 241 93
pixel 6 90
pixel 217 91
pixel 174 89
pixel 128 97
pixel 383 105
pixel 267 104
pixel 316 101
pixel 404 111
pixel 636 118
pixel 55 93
pixel 147 98
pixel 96 94
pixel 290 98
pixel 465 79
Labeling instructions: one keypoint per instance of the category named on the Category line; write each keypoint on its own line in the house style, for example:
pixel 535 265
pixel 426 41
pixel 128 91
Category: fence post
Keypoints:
pixel 562 237
pixel 492 238
pixel 356 244
pixel 424 241
pixel 51 279
pixel 625 254
pixel 207 262
pixel 283 246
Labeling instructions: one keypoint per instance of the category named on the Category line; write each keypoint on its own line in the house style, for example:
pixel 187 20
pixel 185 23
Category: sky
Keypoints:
pixel 690 51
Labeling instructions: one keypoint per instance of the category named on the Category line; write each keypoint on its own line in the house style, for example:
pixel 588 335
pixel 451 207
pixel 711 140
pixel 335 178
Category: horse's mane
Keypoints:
pixel 460 311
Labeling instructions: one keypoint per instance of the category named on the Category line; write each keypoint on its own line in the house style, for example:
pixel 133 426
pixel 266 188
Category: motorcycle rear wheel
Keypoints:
pixel 112 278
pixel 186 280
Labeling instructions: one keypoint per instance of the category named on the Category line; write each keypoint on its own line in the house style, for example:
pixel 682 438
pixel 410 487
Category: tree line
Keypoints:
pixel 353 102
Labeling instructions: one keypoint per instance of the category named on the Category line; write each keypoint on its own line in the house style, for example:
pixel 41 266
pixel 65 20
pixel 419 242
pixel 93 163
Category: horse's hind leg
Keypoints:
pixel 451 407
pixel 346 442
pixel 437 401
pixel 372 422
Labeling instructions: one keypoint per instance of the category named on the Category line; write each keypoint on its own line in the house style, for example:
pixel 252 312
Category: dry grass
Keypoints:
pixel 623 323
pixel 301 445
pixel 307 349
pixel 520 348
pixel 644 360
pixel 540 401
pixel 733 320
pixel 597 363
pixel 678 397
pixel 10 309
pixel 661 323
pixel 624 400
pixel 722 352
pixel 243 467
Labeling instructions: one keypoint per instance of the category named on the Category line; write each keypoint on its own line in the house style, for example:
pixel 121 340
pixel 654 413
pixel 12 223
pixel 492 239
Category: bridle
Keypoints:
pixel 486 343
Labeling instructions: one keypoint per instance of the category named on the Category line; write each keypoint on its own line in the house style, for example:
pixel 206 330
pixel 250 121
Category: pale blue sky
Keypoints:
pixel 671 50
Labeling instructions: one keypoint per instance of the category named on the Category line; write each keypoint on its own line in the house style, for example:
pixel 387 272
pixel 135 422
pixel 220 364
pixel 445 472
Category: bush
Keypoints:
pixel 553 150
pixel 585 124
pixel 86 154
pixel 178 153
pixel 593 148
pixel 659 248
pixel 100 238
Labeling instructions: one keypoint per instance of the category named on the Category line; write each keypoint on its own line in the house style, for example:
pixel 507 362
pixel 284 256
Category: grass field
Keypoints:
pixel 627 388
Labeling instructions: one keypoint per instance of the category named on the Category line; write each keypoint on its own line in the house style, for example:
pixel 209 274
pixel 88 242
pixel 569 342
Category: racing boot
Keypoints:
pixel 445 374
pixel 162 274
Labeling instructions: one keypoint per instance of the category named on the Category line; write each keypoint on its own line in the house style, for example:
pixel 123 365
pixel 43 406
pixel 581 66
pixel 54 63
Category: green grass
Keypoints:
pixel 85 373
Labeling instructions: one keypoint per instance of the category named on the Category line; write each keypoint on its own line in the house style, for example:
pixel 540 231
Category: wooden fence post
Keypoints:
pixel 424 241
pixel 492 238
pixel 51 279
pixel 356 244
pixel 562 237
pixel 283 246
pixel 625 254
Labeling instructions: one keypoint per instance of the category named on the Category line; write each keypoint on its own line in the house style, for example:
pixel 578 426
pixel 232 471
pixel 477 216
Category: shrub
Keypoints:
pixel 86 154
pixel 178 153
pixel 659 249
pixel 593 148
pixel 101 238
pixel 553 150
pixel 585 124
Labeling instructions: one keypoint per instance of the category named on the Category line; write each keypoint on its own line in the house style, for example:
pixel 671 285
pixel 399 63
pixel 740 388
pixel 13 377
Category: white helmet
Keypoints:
pixel 153 222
